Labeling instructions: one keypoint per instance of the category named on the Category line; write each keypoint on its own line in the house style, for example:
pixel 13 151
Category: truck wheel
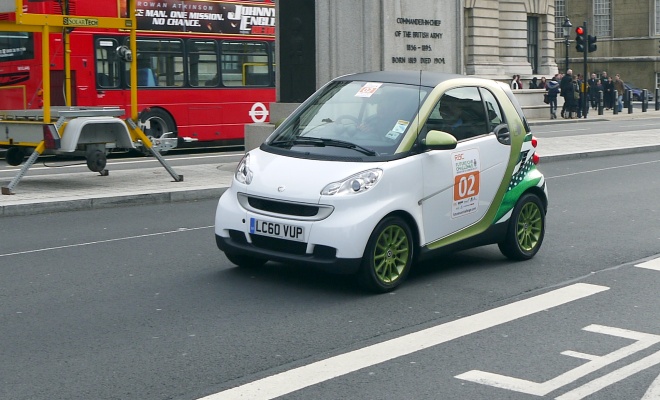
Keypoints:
pixel 96 161
pixel 15 156
pixel 526 229
pixel 388 256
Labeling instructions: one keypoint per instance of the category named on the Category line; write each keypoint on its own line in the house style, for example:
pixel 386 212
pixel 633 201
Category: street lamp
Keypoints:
pixel 567 32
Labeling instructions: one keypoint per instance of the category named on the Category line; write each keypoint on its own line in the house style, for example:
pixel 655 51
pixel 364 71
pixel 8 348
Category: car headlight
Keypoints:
pixel 243 172
pixel 354 184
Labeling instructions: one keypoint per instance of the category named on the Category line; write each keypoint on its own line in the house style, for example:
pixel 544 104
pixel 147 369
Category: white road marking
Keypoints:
pixel 104 241
pixel 10 168
pixel 653 264
pixel 616 376
pixel 653 393
pixel 320 371
pixel 641 342
pixel 603 169
pixel 572 130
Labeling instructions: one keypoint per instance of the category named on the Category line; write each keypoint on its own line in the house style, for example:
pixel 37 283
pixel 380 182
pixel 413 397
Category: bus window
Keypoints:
pixel 15 46
pixel 160 62
pixel 245 64
pixel 202 62
pixel 107 63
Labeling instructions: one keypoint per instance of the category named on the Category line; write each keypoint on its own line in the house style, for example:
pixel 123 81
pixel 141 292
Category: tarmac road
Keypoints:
pixel 209 177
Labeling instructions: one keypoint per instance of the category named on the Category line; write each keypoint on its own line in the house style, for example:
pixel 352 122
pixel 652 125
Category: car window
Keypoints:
pixel 493 110
pixel 373 115
pixel 460 112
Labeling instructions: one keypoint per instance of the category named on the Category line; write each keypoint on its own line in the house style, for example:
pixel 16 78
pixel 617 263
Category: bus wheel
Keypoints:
pixel 157 123
pixel 15 156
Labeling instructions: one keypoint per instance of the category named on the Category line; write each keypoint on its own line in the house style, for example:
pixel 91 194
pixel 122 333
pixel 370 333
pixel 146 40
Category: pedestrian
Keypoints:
pixel 607 90
pixel 576 109
pixel 543 84
pixel 599 89
pixel 520 84
pixel 566 91
pixel 533 84
pixel 620 88
pixel 552 88
pixel 593 91
pixel 581 90
pixel 514 83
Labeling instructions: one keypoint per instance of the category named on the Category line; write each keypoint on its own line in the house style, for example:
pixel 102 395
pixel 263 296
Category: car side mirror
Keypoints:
pixel 439 140
pixel 502 133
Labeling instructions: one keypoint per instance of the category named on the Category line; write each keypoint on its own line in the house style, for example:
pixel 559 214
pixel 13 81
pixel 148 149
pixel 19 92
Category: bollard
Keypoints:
pixel 657 99
pixel 616 102
pixel 601 103
pixel 630 103
pixel 645 100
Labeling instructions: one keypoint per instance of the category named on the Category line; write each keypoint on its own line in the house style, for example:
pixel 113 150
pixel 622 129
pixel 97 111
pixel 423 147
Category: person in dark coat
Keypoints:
pixel 567 92
pixel 552 87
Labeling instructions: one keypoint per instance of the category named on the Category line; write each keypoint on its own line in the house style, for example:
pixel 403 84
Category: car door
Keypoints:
pixel 460 184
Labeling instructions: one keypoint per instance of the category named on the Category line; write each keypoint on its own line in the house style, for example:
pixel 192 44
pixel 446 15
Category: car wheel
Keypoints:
pixel 526 229
pixel 245 261
pixel 388 256
pixel 636 98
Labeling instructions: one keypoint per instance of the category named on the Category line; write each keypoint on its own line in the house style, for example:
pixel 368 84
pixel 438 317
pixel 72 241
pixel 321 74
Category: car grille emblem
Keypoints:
pixel 280 189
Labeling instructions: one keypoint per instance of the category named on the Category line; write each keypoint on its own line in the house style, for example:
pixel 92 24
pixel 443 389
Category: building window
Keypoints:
pixel 657 17
pixel 533 43
pixel 560 14
pixel 602 17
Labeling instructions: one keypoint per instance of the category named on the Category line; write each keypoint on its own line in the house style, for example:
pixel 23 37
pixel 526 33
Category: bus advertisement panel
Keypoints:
pixel 204 67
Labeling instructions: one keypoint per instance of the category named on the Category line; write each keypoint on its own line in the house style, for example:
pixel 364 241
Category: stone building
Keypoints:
pixel 628 38
pixel 488 38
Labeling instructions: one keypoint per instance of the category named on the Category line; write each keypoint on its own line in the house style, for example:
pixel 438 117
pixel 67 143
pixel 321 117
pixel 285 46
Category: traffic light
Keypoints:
pixel 591 43
pixel 579 39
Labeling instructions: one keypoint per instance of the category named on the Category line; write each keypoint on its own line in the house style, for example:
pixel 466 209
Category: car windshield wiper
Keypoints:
pixel 322 142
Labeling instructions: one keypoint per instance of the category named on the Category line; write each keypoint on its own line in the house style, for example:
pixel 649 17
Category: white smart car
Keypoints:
pixel 378 170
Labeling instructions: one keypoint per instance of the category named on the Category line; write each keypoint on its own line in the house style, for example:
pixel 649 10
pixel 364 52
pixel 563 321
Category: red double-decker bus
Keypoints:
pixel 205 67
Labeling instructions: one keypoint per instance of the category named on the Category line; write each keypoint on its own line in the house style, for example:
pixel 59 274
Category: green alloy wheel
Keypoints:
pixel 526 229
pixel 388 256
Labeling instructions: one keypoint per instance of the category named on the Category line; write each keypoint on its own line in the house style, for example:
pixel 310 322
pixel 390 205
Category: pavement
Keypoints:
pixel 87 190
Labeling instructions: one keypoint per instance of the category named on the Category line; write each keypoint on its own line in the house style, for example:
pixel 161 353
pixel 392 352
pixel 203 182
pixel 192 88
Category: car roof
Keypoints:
pixel 423 78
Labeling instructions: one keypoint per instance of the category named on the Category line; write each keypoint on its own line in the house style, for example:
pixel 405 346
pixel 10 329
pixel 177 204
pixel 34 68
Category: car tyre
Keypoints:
pixel 526 229
pixel 244 261
pixel 388 256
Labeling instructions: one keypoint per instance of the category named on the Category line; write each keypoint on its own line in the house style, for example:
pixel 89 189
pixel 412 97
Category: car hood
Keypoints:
pixel 297 179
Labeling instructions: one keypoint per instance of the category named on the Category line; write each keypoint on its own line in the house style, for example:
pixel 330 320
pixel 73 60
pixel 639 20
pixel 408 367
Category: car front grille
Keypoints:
pixel 284 209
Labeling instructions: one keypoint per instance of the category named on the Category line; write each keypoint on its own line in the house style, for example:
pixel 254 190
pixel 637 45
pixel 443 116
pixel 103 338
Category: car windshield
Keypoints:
pixel 352 119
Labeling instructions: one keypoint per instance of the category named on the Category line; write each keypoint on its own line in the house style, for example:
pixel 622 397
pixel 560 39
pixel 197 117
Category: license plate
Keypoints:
pixel 275 229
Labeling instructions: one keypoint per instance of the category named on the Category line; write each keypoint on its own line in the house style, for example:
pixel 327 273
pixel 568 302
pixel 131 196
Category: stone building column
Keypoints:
pixel 513 37
pixel 482 39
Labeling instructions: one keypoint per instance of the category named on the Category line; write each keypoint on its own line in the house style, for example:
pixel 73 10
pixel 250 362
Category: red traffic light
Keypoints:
pixel 579 30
